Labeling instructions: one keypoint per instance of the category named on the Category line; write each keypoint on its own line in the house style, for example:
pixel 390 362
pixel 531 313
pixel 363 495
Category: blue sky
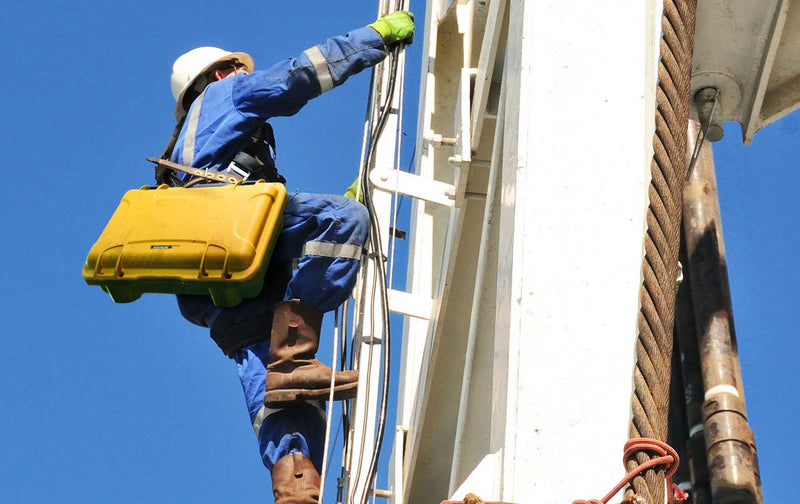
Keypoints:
pixel 130 403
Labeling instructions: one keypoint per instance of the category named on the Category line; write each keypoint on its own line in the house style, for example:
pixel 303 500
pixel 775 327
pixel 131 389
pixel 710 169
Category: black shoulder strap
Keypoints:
pixel 269 136
pixel 163 174
pixel 166 175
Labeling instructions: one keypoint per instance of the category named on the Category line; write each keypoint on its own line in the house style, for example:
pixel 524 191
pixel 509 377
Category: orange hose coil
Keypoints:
pixel 661 454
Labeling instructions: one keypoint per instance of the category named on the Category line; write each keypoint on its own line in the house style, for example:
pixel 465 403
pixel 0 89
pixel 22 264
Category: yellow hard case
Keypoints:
pixel 205 240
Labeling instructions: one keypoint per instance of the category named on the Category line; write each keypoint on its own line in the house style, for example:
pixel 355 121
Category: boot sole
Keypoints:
pixel 282 398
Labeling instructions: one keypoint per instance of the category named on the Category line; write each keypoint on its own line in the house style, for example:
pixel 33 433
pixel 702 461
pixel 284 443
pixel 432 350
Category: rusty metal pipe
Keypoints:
pixel 695 460
pixel 730 445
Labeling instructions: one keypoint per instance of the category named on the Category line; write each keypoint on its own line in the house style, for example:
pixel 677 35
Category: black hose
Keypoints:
pixel 375 239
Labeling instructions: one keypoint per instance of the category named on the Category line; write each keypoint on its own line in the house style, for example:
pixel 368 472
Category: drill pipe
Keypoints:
pixel 730 445
pixel 677 430
pixel 692 381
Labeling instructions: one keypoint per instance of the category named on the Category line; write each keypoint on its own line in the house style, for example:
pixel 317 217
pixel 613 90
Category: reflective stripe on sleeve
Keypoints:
pixel 191 131
pixel 327 249
pixel 321 67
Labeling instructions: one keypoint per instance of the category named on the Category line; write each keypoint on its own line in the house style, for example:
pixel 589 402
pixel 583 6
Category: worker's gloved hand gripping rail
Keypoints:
pixel 213 240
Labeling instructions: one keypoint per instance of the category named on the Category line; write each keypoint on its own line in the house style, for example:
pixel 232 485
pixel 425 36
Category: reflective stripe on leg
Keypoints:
pixel 262 415
pixel 264 412
pixel 336 250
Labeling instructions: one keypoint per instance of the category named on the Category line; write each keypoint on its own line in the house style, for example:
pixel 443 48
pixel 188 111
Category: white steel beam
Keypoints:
pixel 408 304
pixel 486 64
pixel 749 52
pixel 575 177
pixel 555 327
pixel 776 24
pixel 436 237
pixel 414 185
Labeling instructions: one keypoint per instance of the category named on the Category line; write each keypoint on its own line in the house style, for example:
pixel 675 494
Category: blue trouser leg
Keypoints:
pixel 320 280
pixel 324 278
pixel 279 432
pixel 326 274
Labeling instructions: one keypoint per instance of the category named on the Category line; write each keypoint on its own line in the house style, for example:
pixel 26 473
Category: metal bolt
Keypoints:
pixel 709 111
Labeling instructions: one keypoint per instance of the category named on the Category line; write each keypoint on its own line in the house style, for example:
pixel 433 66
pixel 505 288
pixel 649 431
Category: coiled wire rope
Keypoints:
pixel 650 401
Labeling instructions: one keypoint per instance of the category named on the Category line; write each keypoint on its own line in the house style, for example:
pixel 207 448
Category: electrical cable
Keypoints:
pixel 347 453
pixel 378 257
pixel 375 240
pixel 373 128
pixel 358 329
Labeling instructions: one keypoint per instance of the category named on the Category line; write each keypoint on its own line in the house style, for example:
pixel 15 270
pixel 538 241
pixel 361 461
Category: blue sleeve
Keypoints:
pixel 284 88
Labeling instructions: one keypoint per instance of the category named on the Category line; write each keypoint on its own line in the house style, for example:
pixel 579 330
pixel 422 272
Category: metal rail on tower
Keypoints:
pixel 371 343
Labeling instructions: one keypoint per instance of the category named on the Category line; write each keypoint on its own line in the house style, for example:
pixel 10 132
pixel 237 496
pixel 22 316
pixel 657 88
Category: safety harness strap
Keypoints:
pixel 191 130
pixel 321 67
pixel 336 250
pixel 165 175
pixel 257 161
pixel 214 176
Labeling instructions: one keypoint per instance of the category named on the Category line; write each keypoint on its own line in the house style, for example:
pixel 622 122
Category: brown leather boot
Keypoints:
pixel 295 480
pixel 293 374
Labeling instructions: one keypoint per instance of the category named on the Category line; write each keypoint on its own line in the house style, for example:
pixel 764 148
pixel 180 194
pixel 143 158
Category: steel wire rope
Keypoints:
pixel 650 400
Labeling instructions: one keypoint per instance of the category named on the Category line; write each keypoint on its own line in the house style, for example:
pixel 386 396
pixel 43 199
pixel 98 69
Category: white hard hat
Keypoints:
pixel 190 67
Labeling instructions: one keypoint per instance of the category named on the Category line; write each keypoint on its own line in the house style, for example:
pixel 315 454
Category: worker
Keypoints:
pixel 222 107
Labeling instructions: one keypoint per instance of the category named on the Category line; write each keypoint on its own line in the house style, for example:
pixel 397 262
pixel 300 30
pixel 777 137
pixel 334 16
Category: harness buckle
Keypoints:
pixel 233 167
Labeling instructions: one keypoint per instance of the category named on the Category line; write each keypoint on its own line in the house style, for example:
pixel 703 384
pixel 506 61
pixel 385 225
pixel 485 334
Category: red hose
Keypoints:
pixel 664 455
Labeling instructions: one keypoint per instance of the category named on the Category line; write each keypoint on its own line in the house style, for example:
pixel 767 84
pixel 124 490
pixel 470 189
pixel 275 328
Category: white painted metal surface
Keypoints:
pixel 523 288
pixel 407 304
pixel 489 216
pixel 554 323
pixel 414 186
pixel 750 52
pixel 574 185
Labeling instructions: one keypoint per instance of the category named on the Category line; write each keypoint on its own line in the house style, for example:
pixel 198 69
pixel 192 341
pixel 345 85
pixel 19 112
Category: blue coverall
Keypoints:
pixel 325 233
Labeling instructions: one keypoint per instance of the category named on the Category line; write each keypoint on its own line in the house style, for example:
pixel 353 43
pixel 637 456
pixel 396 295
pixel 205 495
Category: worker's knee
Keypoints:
pixel 355 220
pixel 322 217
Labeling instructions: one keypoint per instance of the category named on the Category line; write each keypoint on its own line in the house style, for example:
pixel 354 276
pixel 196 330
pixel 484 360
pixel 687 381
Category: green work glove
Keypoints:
pixel 395 28
pixel 353 190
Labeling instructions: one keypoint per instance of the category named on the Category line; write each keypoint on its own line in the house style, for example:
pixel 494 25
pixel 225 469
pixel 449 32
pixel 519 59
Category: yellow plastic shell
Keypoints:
pixel 205 240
